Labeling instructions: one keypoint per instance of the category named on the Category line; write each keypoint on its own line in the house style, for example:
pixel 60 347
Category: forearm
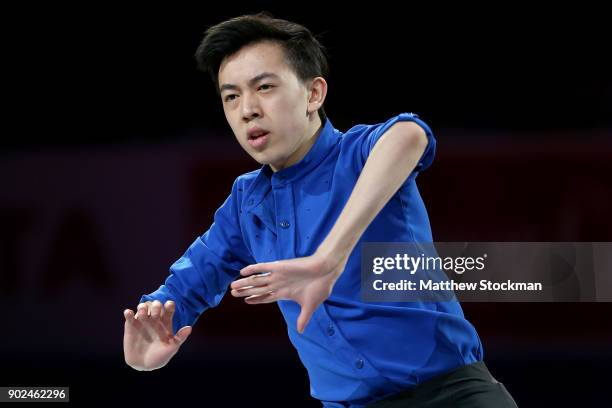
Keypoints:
pixel 390 162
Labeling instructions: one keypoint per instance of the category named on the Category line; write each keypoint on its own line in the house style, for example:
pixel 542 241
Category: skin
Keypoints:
pixel 148 342
pixel 259 88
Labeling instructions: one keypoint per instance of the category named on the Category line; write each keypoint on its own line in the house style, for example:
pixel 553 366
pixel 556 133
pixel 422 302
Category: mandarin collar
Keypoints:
pixel 326 140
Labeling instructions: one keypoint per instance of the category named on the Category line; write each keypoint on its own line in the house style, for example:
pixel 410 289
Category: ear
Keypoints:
pixel 317 91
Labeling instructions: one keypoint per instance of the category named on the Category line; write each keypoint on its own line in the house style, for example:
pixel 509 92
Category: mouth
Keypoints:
pixel 258 139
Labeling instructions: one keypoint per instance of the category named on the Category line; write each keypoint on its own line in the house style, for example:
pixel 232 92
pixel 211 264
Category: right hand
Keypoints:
pixel 148 342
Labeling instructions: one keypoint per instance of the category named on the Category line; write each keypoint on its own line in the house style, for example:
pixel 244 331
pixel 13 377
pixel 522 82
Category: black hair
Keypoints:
pixel 303 52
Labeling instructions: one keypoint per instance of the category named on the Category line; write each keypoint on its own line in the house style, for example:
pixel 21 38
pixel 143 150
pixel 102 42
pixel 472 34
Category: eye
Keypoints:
pixel 265 87
pixel 230 97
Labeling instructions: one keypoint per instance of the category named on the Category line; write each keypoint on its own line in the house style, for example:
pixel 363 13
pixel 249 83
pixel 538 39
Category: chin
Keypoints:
pixel 264 158
pixel 261 159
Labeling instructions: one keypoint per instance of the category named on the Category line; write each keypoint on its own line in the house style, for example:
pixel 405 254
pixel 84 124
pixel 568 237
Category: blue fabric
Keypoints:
pixel 355 352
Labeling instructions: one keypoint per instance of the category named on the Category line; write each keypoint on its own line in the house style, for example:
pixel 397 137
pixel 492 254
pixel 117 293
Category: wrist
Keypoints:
pixel 335 254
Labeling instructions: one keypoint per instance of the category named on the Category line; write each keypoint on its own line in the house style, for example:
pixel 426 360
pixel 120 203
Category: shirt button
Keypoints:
pixel 359 363
pixel 330 330
pixel 285 224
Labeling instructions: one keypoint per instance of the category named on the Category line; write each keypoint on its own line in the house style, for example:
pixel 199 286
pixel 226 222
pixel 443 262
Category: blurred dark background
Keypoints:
pixel 115 154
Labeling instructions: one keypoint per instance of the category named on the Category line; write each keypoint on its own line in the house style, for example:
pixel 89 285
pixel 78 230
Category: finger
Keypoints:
pixel 305 315
pixel 153 325
pixel 159 329
pixel 258 268
pixel 261 279
pixel 252 281
pixel 182 334
pixel 169 307
pixel 129 315
pixel 141 320
pixel 130 321
pixel 142 312
pixel 269 297
pixel 156 309
pixel 252 291
pixel 155 321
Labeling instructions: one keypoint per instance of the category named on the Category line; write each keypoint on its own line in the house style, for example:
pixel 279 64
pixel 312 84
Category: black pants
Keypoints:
pixel 470 386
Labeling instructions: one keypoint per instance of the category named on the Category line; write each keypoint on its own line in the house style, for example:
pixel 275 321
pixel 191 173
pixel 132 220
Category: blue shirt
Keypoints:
pixel 355 352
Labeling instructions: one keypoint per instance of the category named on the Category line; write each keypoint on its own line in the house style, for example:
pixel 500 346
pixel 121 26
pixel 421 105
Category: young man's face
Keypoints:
pixel 271 112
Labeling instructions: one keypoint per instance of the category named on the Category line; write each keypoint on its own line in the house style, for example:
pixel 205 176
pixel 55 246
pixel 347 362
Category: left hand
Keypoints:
pixel 307 281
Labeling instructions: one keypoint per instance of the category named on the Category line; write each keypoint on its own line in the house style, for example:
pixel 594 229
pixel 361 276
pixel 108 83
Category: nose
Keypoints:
pixel 250 107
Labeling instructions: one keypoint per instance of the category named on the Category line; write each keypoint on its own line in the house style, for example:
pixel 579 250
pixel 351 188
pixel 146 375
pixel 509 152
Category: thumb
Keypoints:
pixel 182 334
pixel 305 315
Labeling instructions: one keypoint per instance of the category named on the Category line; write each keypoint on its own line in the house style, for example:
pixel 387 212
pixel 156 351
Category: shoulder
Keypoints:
pixel 360 139
pixel 244 181
pixel 410 120
pixel 243 186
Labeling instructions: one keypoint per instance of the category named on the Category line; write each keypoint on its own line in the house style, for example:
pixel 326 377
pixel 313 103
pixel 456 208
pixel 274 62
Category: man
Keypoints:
pixel 292 231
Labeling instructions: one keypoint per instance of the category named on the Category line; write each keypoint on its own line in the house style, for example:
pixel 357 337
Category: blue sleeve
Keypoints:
pixel 199 279
pixel 374 133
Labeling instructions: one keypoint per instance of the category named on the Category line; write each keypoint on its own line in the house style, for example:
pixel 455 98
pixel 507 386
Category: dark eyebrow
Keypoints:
pixel 251 82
